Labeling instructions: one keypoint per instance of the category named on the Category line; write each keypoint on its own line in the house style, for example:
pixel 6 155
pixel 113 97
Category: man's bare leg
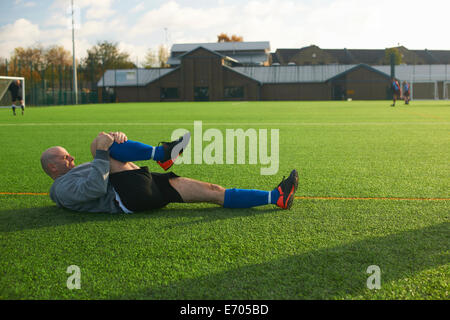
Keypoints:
pixel 198 191
pixel 192 190
pixel 118 166
pixel 22 106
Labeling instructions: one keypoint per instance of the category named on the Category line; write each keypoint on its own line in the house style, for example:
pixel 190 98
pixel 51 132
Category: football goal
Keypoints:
pixel 5 95
pixel 424 90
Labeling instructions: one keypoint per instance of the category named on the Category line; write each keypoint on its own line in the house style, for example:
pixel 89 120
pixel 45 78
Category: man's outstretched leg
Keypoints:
pixel 198 191
pixel 165 154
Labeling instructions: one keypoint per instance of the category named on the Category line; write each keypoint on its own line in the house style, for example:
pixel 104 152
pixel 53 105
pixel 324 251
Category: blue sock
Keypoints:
pixel 275 194
pixel 245 198
pixel 135 151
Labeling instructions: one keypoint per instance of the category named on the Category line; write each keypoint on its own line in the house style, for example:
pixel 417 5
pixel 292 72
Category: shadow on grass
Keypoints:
pixel 329 273
pixel 50 216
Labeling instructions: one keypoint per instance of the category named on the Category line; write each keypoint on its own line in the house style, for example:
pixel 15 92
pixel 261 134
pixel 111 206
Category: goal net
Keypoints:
pixel 5 95
pixel 424 90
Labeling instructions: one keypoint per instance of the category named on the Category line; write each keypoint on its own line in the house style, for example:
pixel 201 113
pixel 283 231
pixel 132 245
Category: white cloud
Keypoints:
pixel 99 9
pixel 137 52
pixel 177 18
pixel 29 4
pixel 21 33
pixel 139 7
pixel 57 19
pixel 285 23
pixel 92 10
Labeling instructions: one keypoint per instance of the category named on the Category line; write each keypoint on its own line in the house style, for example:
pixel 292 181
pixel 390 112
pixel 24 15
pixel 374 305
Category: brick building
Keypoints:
pixel 202 74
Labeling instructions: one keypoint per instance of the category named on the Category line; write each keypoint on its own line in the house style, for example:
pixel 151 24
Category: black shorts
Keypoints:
pixel 16 98
pixel 141 190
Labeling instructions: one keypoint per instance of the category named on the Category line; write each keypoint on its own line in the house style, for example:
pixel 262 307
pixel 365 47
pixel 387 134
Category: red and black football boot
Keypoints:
pixel 287 189
pixel 172 150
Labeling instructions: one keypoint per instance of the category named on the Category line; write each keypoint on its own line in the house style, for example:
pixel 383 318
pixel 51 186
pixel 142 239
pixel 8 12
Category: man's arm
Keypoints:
pixel 118 137
pixel 73 189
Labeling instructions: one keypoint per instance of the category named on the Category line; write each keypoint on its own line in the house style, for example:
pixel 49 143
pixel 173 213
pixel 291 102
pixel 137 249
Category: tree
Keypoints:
pixel 23 58
pixel 59 62
pixel 27 62
pixel 156 58
pixel 397 56
pixel 3 67
pixel 235 38
pixel 223 37
pixel 106 55
pixel 163 56
pixel 29 55
pixel 150 60
pixel 58 56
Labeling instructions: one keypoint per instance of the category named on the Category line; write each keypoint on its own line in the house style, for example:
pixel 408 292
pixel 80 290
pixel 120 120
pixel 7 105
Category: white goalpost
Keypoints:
pixel 5 96
pixel 446 90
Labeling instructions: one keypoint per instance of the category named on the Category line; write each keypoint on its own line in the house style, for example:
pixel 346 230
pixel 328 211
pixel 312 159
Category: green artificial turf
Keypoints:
pixel 320 249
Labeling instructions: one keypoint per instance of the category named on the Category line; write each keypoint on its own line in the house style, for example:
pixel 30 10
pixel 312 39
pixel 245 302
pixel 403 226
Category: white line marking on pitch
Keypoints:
pixel 256 124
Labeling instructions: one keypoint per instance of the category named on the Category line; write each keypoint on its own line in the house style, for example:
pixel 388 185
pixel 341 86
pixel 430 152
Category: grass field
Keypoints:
pixel 355 160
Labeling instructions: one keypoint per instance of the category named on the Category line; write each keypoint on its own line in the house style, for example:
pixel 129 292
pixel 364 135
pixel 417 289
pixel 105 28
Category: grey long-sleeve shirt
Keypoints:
pixel 86 187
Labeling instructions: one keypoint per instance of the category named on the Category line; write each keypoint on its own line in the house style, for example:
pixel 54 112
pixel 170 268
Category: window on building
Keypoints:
pixel 201 93
pixel 233 92
pixel 123 76
pixel 169 93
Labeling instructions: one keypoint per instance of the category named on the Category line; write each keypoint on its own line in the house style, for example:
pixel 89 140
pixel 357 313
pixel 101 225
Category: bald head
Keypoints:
pixel 56 161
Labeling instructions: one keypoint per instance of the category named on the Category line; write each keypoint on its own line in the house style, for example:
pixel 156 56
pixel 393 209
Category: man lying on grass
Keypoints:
pixel 113 183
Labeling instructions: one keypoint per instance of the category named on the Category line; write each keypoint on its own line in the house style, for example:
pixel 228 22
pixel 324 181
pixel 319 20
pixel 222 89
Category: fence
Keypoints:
pixel 427 81
pixel 53 84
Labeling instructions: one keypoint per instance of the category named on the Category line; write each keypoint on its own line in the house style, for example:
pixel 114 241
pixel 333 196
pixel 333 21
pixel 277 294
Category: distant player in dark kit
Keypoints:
pixel 406 92
pixel 395 91
pixel 16 95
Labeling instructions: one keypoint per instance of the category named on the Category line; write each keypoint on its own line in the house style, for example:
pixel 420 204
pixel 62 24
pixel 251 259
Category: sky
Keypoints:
pixel 138 25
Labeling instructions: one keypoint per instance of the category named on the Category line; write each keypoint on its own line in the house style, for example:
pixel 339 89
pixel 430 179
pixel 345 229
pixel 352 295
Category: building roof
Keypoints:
pixel 323 73
pixel 222 46
pixel 283 56
pixel 344 56
pixel 366 56
pixel 132 77
pixel 256 59
pixel 293 74
pixel 364 66
pixel 443 56
pixel 255 53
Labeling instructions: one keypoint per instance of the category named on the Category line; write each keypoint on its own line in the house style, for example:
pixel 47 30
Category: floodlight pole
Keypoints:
pixel 75 85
